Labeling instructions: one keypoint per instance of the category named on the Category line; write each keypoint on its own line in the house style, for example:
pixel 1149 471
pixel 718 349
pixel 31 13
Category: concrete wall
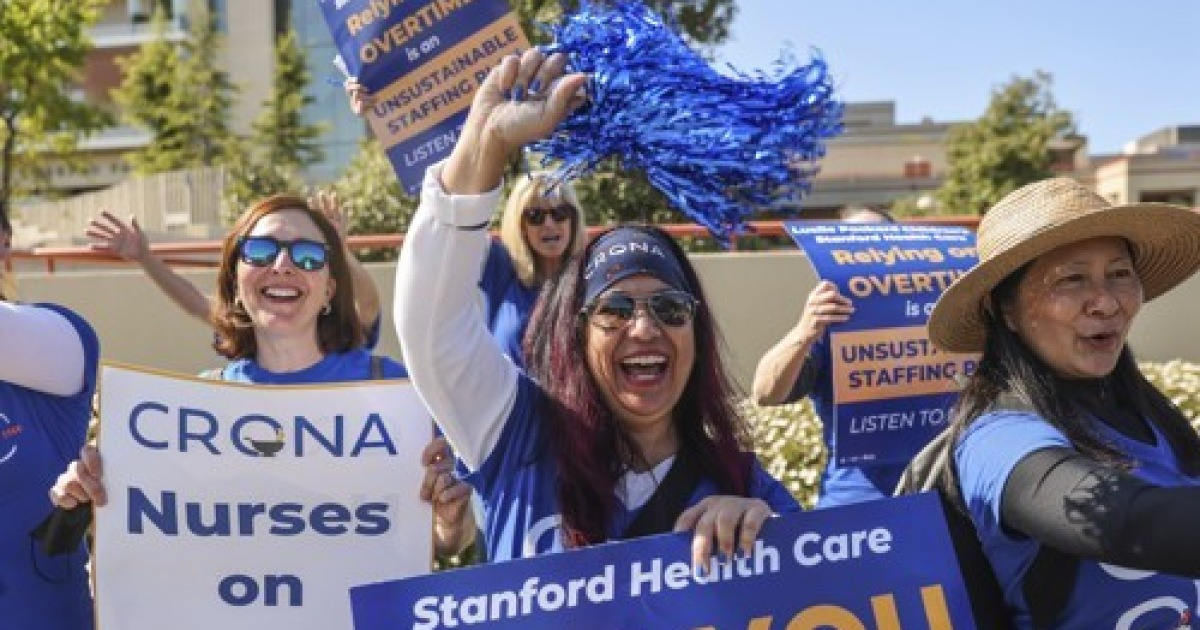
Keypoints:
pixel 756 296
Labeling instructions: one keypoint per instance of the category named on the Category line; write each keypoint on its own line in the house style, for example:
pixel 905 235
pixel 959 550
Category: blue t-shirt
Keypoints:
pixel 1104 596
pixel 354 365
pixel 518 484
pixel 370 333
pixel 40 435
pixel 839 485
pixel 509 303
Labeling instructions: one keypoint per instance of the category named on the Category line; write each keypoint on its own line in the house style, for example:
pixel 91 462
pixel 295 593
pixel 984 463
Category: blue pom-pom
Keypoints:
pixel 717 147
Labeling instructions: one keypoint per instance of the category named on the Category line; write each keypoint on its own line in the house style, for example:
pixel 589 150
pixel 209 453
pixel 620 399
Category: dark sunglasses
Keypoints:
pixel 263 251
pixel 616 310
pixel 537 216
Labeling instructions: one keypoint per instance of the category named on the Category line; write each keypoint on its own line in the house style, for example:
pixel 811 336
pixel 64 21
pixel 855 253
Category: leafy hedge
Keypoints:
pixel 788 437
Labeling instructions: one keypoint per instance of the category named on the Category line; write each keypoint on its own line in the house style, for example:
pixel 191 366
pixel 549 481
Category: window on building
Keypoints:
pixel 220 15
pixel 917 167
pixel 140 11
pixel 1185 197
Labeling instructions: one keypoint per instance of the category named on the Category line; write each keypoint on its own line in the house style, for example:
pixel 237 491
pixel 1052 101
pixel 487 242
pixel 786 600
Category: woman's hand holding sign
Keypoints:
pixel 453 526
pixel 723 524
pixel 825 306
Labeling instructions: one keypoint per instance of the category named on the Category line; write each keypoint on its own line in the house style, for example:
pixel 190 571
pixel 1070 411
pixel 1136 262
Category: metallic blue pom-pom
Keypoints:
pixel 717 147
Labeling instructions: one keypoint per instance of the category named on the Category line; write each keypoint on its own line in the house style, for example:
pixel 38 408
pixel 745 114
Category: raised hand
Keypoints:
pixel 522 100
pixel 326 202
pixel 126 240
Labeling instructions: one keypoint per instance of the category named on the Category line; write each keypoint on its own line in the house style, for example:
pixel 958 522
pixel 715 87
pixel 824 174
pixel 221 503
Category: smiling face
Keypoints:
pixel 280 298
pixel 1075 305
pixel 549 240
pixel 642 367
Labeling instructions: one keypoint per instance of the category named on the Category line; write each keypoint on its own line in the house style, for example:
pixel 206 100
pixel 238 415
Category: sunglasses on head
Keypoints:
pixel 537 216
pixel 616 310
pixel 263 251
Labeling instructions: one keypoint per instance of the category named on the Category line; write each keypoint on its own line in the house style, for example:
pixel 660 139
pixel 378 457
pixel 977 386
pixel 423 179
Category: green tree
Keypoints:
pixel 43 44
pixel 146 100
pixel 180 95
pixel 1006 148
pixel 208 90
pixel 281 144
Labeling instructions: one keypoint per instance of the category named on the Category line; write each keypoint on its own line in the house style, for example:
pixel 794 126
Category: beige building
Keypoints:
pixel 1163 166
pixel 182 206
pixel 878 160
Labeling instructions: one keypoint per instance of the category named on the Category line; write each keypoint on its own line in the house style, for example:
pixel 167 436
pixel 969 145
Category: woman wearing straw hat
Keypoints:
pixel 1059 439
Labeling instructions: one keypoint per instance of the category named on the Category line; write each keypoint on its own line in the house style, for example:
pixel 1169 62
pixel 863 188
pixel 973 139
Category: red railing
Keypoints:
pixel 206 253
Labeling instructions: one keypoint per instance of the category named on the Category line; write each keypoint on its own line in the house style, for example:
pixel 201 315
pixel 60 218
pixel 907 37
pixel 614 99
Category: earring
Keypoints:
pixel 327 309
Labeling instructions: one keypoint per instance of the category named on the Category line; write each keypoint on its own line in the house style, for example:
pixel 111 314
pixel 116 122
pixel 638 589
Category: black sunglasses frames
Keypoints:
pixel 537 216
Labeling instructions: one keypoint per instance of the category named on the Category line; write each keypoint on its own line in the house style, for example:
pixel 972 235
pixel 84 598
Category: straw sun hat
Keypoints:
pixel 1045 215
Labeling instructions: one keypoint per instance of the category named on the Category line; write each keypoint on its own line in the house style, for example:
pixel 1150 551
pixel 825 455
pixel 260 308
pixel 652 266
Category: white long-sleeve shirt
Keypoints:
pixel 40 350
pixel 458 369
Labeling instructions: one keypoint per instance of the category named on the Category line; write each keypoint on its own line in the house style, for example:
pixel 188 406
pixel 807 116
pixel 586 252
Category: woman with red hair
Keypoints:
pixel 285 314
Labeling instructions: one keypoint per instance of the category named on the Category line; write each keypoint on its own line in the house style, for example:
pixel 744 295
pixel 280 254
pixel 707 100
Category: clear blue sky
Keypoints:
pixel 1123 68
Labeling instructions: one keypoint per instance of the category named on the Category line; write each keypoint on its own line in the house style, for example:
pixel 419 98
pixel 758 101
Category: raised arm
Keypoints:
pixel 128 241
pixel 780 366
pixel 458 369
pixel 40 350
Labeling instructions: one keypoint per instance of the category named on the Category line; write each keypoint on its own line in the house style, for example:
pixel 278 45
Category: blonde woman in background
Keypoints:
pixel 541 227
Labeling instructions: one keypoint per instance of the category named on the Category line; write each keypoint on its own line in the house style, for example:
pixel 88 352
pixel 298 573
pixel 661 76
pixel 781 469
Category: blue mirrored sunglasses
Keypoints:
pixel 263 251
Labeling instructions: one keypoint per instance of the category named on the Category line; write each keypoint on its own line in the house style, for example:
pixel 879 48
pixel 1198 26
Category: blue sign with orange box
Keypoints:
pixel 892 389
pixel 422 62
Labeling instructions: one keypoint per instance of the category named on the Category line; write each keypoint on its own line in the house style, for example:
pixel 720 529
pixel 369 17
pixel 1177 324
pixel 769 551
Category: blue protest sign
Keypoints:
pixel 884 564
pixel 891 387
pixel 422 61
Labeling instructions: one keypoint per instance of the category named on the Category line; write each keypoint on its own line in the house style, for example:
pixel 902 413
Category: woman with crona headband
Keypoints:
pixel 625 395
